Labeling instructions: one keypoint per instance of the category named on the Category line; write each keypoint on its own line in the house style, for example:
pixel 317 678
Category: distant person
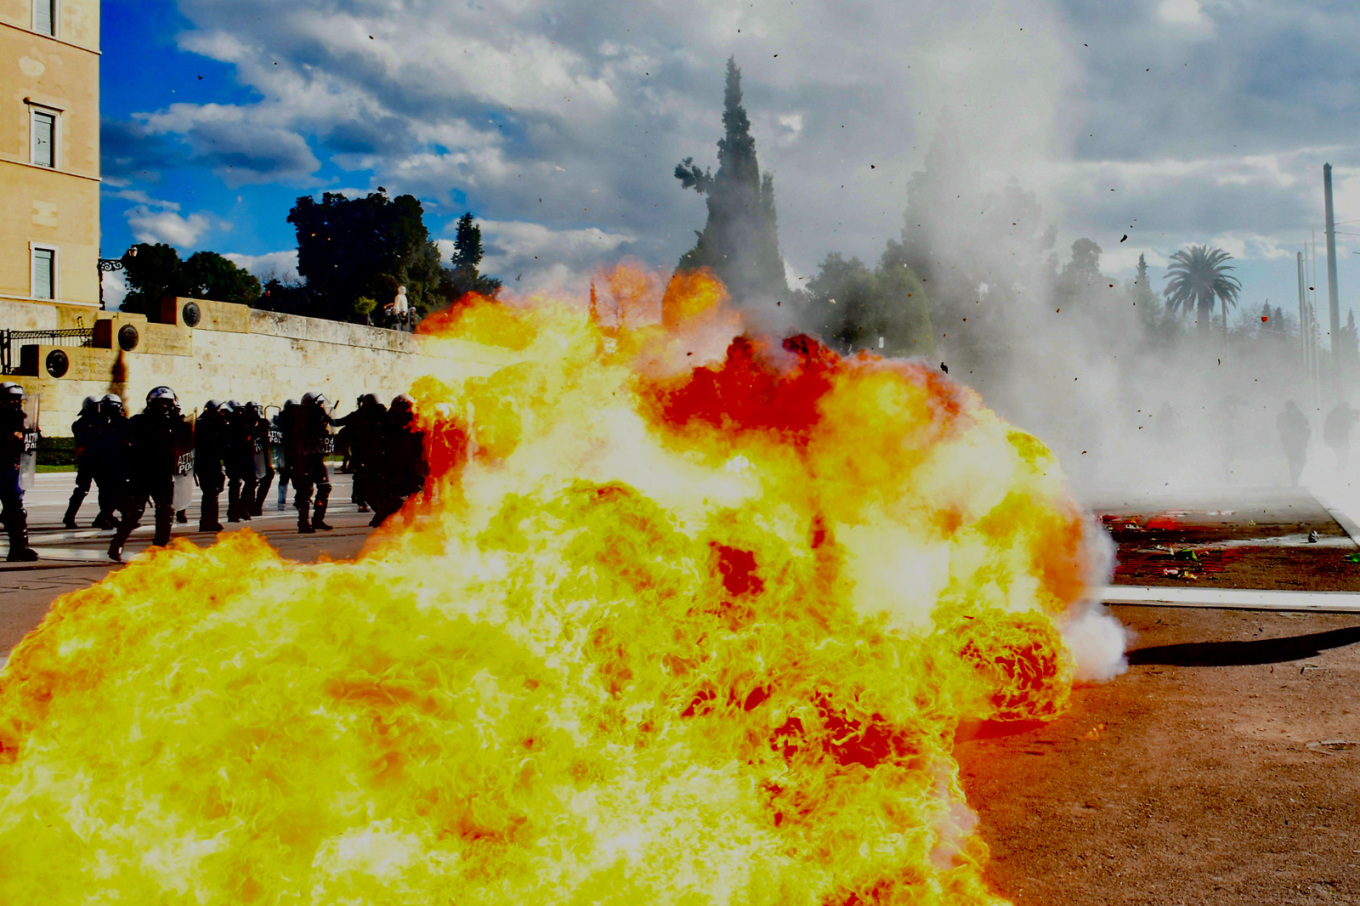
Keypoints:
pixel 110 459
pixel 1336 431
pixel 1294 434
pixel 312 442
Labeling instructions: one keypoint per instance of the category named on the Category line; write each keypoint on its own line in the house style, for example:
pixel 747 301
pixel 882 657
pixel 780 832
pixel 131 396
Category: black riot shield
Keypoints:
pixel 28 459
pixel 184 466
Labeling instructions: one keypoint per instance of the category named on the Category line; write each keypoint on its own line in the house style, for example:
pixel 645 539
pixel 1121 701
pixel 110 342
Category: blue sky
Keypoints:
pixel 558 122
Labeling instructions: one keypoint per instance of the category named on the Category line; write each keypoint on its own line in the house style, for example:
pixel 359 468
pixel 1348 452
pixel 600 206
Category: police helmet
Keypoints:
pixel 369 399
pixel 89 406
pixel 162 398
pixel 11 392
pixel 403 403
pixel 212 405
pixel 225 408
pixel 253 407
pixel 111 402
pixel 290 404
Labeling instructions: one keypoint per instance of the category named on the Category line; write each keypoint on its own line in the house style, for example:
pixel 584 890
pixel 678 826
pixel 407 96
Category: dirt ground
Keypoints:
pixel 1223 767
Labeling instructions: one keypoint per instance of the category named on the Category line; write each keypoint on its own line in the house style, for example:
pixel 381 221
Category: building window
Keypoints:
pixel 44 273
pixel 44 138
pixel 45 17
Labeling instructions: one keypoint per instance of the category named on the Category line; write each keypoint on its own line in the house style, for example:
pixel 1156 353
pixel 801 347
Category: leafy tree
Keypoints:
pixel 883 310
pixel 464 277
pixel 1197 278
pixel 207 275
pixel 740 241
pixel 363 248
pixel 156 271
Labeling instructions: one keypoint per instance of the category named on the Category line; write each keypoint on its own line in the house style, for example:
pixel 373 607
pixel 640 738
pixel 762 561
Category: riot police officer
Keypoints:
pixel 363 432
pixel 240 464
pixel 312 443
pixel 159 441
pixel 262 459
pixel 109 459
pixel 18 443
pixel 403 467
pixel 83 431
pixel 210 443
pixel 282 434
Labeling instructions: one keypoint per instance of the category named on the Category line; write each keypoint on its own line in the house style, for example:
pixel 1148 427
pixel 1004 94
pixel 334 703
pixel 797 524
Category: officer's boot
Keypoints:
pixel 261 493
pixel 304 508
pixel 77 498
pixel 120 536
pixel 234 501
pixel 164 518
pixel 245 504
pixel 19 551
pixel 207 516
pixel 319 517
pixel 182 517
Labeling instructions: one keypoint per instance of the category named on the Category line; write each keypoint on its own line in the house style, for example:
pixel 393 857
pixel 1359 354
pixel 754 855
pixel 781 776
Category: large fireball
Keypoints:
pixel 678 621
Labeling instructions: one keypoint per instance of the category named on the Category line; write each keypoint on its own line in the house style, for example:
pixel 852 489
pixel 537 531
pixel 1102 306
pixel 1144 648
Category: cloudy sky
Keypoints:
pixel 558 122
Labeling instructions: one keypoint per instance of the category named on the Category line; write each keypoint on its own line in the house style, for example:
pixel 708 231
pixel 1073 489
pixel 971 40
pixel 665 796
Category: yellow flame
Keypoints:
pixel 656 633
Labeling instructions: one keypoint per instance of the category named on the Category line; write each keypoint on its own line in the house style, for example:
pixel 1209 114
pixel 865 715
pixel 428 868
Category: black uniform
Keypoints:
pixel 83 431
pixel 17 437
pixel 404 467
pixel 210 443
pixel 312 443
pixel 109 456
pixel 157 440
pixel 262 443
pixel 281 437
pixel 363 432
pixel 240 465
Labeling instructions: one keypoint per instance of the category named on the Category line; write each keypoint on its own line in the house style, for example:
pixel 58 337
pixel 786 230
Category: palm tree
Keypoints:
pixel 1195 278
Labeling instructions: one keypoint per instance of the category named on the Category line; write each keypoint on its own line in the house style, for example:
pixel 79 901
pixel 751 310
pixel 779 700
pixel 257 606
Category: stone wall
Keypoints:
pixel 233 353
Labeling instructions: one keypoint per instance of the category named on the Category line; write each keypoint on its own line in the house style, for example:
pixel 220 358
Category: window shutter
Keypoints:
pixel 44 275
pixel 44 17
pixel 44 131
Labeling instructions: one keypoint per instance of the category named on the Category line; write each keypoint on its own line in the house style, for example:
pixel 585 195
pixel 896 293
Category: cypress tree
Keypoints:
pixel 740 241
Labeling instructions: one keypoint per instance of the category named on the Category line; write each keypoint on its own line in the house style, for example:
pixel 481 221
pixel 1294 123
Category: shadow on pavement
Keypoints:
pixel 1240 654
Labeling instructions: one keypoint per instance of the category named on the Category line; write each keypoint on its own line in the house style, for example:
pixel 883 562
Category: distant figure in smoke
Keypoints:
pixel 1294 434
pixel 1230 415
pixel 1336 431
pixel 1166 425
pixel 210 447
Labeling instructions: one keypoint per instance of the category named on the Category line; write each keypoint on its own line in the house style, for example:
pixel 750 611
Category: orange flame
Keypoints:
pixel 676 621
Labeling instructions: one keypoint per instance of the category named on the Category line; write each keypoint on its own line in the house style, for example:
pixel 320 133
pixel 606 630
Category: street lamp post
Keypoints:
pixel 108 266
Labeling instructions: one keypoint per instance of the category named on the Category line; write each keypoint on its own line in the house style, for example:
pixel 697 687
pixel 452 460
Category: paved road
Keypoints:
pixel 75 559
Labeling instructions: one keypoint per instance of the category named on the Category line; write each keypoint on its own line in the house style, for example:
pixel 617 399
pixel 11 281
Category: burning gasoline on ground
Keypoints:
pixel 678 620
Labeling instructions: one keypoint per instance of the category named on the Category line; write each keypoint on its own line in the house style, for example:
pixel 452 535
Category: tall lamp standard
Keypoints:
pixel 108 266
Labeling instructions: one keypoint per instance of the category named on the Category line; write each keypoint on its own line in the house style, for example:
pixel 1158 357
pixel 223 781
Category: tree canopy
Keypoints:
pixel 353 253
pixel 740 241
pixel 156 271
pixel 884 310
pixel 1198 277
pixel 464 277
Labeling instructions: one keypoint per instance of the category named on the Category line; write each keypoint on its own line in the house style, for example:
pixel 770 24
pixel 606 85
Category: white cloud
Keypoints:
pixel 1182 12
pixel 529 256
pixel 281 265
pixel 163 224
pixel 115 288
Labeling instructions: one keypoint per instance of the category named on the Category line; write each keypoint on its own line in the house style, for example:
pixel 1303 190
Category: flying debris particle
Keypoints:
pixel 944 367
pixel 871 167
pixel 1126 236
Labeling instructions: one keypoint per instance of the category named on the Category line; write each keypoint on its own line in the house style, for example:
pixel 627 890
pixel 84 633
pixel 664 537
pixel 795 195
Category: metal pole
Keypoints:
pixel 1333 305
pixel 1303 316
